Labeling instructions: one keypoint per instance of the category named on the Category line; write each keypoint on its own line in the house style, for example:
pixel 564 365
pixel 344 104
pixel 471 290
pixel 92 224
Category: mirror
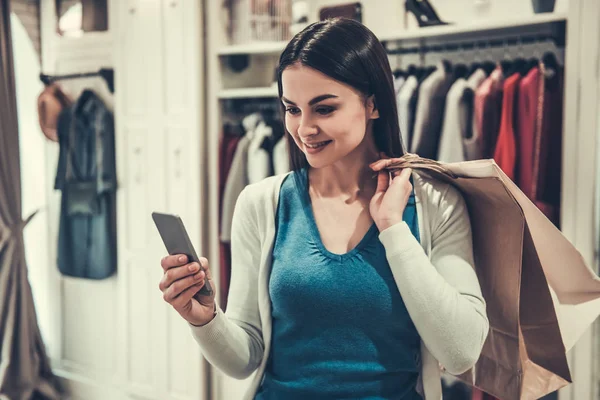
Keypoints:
pixel 74 17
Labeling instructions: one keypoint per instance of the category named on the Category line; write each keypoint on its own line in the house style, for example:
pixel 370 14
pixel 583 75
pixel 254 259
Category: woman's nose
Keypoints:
pixel 306 128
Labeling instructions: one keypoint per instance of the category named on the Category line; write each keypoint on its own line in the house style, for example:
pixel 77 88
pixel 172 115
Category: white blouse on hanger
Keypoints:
pixel 281 158
pixel 473 145
pixel 405 114
pixel 456 123
pixel 237 179
pixel 258 158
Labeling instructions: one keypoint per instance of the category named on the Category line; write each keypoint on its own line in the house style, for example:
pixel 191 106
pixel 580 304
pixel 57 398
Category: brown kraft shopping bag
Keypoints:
pixel 540 294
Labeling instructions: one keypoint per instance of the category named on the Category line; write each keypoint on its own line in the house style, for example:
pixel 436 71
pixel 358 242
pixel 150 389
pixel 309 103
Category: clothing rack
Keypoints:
pixel 236 108
pixel 105 73
pixel 476 44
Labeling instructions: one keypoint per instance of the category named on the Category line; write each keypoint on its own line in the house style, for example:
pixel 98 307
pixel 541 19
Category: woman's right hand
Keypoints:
pixel 180 284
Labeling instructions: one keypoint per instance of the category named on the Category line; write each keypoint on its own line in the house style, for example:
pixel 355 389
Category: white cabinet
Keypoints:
pixel 158 129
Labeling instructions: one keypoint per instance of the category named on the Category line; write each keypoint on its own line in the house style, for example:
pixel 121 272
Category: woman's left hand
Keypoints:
pixel 390 198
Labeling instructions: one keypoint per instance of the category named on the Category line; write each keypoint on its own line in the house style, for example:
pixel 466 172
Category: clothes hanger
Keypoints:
pixel 447 65
pixel 486 64
pixel 461 70
pixel 476 64
pixel 519 63
pixel 412 70
pixel 551 63
pixel 534 61
pixel 506 63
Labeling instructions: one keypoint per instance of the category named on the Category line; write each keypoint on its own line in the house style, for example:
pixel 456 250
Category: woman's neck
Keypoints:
pixel 348 178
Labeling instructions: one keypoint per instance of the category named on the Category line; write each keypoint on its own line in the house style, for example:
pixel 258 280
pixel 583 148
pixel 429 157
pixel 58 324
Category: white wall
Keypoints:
pixel 33 178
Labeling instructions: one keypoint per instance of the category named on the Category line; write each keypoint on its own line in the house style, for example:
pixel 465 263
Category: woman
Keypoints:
pixel 346 283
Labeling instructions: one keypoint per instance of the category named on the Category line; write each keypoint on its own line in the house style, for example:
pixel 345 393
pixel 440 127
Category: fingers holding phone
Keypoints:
pixel 180 284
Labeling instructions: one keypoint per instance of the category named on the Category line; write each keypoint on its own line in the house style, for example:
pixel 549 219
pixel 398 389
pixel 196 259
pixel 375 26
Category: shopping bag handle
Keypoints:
pixel 410 160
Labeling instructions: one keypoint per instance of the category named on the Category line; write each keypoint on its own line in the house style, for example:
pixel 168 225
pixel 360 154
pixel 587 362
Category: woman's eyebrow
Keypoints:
pixel 313 101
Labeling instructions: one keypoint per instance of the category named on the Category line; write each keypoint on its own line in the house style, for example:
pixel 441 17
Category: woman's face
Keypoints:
pixel 328 119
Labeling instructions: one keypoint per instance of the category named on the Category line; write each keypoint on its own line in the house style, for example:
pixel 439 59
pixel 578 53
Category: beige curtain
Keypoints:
pixel 24 366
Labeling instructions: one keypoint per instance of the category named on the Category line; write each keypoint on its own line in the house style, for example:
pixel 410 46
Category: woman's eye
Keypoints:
pixel 292 110
pixel 325 110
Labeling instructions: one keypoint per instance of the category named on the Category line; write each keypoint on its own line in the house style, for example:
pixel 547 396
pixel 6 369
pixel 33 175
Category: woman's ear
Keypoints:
pixel 372 112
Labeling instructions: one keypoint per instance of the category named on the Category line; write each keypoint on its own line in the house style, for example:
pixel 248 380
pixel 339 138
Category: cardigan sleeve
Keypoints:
pixel 441 292
pixel 233 341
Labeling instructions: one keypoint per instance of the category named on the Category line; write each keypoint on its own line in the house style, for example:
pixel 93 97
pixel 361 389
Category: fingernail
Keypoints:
pixel 198 276
pixel 182 258
pixel 193 267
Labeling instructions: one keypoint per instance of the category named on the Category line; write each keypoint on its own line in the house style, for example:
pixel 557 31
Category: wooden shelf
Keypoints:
pixel 487 26
pixel 248 93
pixel 253 48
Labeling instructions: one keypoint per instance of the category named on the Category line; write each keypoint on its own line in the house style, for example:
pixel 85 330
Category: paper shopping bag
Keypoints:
pixel 540 294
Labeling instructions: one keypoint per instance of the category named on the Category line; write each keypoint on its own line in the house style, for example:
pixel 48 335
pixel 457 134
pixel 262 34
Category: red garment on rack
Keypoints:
pixel 227 146
pixel 529 111
pixel 506 148
pixel 488 110
pixel 540 111
pixel 547 175
pixel 477 394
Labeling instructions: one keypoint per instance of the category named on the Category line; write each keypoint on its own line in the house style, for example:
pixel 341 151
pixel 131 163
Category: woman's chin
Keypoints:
pixel 317 161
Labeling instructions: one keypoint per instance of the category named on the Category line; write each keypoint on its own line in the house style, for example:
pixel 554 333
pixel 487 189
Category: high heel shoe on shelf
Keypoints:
pixel 423 12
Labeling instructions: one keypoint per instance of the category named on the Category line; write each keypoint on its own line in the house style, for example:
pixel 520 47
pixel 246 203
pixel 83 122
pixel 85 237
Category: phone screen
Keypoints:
pixel 176 240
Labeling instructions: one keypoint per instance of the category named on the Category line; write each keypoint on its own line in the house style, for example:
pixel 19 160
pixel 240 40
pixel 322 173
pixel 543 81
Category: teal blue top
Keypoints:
pixel 340 327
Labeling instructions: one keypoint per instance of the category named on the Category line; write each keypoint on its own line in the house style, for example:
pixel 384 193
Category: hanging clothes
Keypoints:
pixel 228 146
pixel 456 123
pixel 506 147
pixel 478 394
pixel 548 166
pixel 50 103
pixel 430 112
pixel 259 160
pixel 473 141
pixel 236 181
pixel 406 101
pixel 86 175
pixel 281 157
pixel 530 103
pixel 488 109
pixel 398 82
pixel 250 163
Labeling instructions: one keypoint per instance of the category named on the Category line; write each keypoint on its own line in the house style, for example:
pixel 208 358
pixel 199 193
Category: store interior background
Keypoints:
pixel 116 338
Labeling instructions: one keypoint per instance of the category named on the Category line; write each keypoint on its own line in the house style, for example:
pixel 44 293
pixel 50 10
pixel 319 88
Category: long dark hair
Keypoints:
pixel 348 52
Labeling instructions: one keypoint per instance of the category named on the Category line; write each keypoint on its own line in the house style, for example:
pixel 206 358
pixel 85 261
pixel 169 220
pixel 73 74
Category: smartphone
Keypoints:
pixel 176 240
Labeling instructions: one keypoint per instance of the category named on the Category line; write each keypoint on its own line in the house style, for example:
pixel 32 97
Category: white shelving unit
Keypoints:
pixel 245 93
pixel 253 48
pixel 579 157
pixel 480 27
pixel 443 31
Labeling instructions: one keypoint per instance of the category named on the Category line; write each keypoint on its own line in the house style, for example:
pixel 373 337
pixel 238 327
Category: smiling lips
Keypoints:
pixel 317 145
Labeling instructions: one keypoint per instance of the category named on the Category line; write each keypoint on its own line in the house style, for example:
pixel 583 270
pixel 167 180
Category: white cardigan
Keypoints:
pixel 436 278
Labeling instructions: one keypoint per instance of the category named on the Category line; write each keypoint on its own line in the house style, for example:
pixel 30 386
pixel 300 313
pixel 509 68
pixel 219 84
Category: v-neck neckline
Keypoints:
pixel 314 229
